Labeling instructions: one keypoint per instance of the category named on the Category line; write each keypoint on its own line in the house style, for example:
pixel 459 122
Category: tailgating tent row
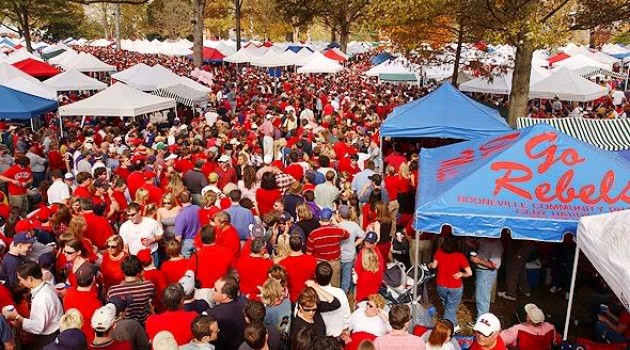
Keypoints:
pixel 18 80
pixel 119 100
pixel 501 84
pixel 607 134
pixel 568 86
pixel 145 78
pixel 320 64
pixel 184 95
pixel 72 80
pixel 445 113
pixel 86 62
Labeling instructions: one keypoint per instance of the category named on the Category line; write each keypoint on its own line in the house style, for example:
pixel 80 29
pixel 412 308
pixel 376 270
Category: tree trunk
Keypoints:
pixel 458 55
pixel 237 16
pixel 333 35
pixel 26 28
pixel 199 7
pixel 519 97
pixel 344 35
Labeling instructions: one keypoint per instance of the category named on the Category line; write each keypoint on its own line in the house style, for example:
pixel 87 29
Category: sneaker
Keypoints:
pixel 505 296
pixel 456 329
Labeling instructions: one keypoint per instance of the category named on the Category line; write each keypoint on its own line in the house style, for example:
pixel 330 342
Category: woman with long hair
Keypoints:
pixel 369 268
pixel 451 266
pixel 75 206
pixel 248 184
pixel 386 228
pixel 60 220
pixel 369 208
pixel 277 304
pixel 75 255
pixel 305 219
pixel 282 249
pixel 441 337
pixel 267 194
pixel 76 231
pixel 142 198
pixel 175 185
pixel 166 215
pixel 112 260
pixel 209 208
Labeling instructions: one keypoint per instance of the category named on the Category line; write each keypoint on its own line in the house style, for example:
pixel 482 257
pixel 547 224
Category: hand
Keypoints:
pixel 457 275
pixel 601 318
pixel 310 283
pixel 10 315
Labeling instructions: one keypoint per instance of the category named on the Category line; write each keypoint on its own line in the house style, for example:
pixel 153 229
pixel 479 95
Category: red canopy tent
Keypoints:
pixel 558 57
pixel 267 44
pixel 212 55
pixel 36 68
pixel 334 56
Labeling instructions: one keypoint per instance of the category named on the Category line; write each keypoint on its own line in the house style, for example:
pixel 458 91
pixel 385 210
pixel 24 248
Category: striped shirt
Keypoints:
pixel 324 243
pixel 142 292
pixel 399 340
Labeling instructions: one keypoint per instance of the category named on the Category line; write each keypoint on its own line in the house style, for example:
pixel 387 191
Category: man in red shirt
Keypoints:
pixel 226 172
pixel 84 179
pixel 174 319
pixel 214 261
pixel 324 243
pixel 252 270
pixel 136 179
pixel 20 177
pixel 300 267
pixel 226 234
pixel 487 333
pixel 155 193
pixel 83 297
pixel 98 228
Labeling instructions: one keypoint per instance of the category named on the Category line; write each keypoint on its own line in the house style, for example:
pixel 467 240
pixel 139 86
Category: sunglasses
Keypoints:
pixel 112 246
pixel 165 203
pixel 371 305
pixel 132 214
pixel 309 309
pixel 68 253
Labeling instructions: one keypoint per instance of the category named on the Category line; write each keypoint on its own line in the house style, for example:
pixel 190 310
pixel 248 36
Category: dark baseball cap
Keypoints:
pixel 371 237
pixel 326 214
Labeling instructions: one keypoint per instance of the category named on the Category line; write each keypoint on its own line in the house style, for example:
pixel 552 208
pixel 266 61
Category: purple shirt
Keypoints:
pixel 187 222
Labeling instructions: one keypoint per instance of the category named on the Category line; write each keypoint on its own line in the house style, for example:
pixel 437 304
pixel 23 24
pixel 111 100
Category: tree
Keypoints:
pixel 62 27
pixel 342 15
pixel 170 18
pixel 297 13
pixel 199 10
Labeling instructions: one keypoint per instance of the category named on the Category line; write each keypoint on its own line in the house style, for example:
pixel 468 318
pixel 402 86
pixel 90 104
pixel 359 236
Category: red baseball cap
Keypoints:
pixel 149 174
pixel 144 256
pixel 24 225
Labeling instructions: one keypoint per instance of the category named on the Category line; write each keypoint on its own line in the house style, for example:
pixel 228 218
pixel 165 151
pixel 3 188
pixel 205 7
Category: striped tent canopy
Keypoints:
pixel 184 95
pixel 607 134
pixel 588 72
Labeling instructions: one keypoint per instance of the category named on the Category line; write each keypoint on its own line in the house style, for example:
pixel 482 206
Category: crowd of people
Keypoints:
pixel 264 222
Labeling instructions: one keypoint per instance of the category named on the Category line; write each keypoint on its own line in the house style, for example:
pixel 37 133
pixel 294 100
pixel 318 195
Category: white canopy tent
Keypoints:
pixel 31 87
pixel 272 59
pixel 579 61
pixel 139 68
pixel 21 55
pixel 501 84
pixel 568 86
pixel 9 72
pixel 72 80
pixel 241 56
pixel 86 62
pixel 145 78
pixel 63 57
pixel 399 65
pixel 56 47
pixel 320 64
pixel 119 100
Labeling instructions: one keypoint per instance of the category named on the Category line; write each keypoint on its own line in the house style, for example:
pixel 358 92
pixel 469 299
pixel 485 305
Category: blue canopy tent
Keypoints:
pixel 444 113
pixel 297 48
pixel 381 57
pixel 19 105
pixel 537 182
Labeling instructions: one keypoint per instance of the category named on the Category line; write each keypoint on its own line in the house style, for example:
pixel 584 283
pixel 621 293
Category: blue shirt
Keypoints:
pixel 241 218
pixel 187 222
pixel 361 179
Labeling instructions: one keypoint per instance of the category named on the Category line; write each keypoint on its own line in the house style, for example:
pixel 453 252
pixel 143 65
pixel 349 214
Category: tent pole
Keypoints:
pixel 567 322
pixel 82 121
pixel 60 126
pixel 380 155
pixel 32 126
pixel 415 262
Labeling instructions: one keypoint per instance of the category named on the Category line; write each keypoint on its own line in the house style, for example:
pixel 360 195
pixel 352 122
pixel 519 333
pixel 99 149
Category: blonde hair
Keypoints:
pixel 175 184
pixel 142 195
pixel 71 319
pixel 282 247
pixel 271 291
pixel 169 198
pixel 75 227
pixel 369 260
pixel 404 170
pixel 382 212
pixel 118 240
pixel 303 211
pixel 377 299
pixel 150 210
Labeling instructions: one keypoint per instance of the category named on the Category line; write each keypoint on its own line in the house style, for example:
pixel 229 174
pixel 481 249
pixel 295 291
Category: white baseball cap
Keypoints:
pixel 224 158
pixel 536 315
pixel 487 324
pixel 104 317
pixel 188 282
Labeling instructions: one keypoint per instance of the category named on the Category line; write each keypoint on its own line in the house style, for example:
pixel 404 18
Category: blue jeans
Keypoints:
pixel 346 275
pixel 188 246
pixel 484 280
pixel 450 298
pixel 606 334
pixel 156 258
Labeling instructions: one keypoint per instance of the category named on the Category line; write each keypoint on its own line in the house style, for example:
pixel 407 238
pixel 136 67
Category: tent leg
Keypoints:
pixel 415 262
pixel 381 162
pixel 567 322
pixel 32 125
pixel 82 121
pixel 60 126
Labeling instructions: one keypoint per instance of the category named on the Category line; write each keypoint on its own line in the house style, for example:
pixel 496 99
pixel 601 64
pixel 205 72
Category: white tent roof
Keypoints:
pixel 605 240
pixel 500 84
pixel 303 55
pixel 320 64
pixel 271 59
pixel 614 49
pixel 603 58
pixel 174 79
pixel 63 57
pixel 53 48
pixel 72 80
pixel 574 50
pixel 568 86
pixel 241 56
pixel 126 74
pixel 21 55
pixel 145 78
pixel 399 65
pixel 30 87
pixel 119 100
pixel 579 61
pixel 86 62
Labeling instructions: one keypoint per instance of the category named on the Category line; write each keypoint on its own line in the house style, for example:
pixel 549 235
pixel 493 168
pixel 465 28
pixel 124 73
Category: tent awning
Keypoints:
pixel 536 182
pixel 398 77
pixel 183 94
pixel 19 105
pixel 607 134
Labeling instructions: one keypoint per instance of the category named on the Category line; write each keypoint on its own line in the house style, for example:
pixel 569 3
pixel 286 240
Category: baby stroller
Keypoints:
pixel 398 283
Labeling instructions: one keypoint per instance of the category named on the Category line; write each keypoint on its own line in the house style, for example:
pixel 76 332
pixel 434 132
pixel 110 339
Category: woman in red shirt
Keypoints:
pixel 451 266
pixel 267 194
pixel 392 185
pixel 176 266
pixel 112 259
pixel 369 267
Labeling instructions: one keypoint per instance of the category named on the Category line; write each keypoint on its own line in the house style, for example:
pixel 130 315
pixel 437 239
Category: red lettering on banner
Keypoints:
pixel 498 144
pixel 449 168
pixel 515 174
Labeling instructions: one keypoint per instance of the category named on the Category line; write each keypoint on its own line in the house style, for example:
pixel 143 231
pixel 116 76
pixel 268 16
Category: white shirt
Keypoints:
pixel 307 114
pixel 46 310
pixel 58 192
pixel 211 118
pixel 268 146
pixel 374 325
pixel 617 97
pixel 132 234
pixel 338 320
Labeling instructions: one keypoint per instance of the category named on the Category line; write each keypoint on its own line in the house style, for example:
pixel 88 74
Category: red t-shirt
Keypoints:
pixel 135 180
pixel 228 238
pixel 499 346
pixel 82 192
pixel 159 281
pixel 122 172
pixel 87 303
pixel 214 262
pixel 99 229
pixel 177 322
pixel 392 185
pixel 368 282
pixel 252 272
pixel 112 273
pixel 112 345
pixel 23 175
pixel 174 269
pixel 265 200
pixel 183 165
pixel 299 269
pixel 295 170
pixel 448 265
pixel 155 194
